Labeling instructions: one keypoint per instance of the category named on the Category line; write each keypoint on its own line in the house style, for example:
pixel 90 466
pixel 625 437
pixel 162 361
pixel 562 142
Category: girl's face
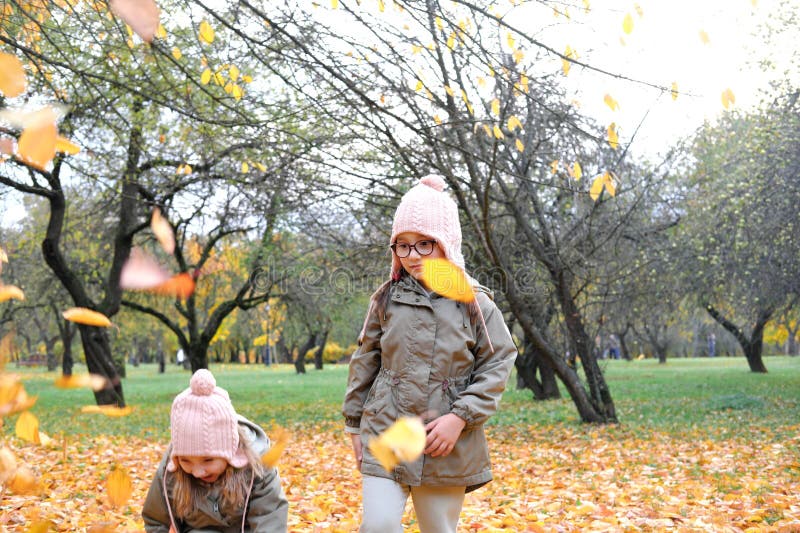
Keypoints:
pixel 206 469
pixel 413 263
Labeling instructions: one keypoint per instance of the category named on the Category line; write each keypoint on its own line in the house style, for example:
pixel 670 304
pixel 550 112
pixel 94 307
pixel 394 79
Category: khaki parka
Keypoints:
pixel 267 508
pixel 424 358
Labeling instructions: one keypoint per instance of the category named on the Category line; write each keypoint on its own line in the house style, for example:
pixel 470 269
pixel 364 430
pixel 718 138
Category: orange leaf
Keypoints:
pixel 8 464
pixel 120 487
pixel 403 441
pixel 178 286
pixel 140 15
pixel 12 75
pixel 446 279
pixel 27 427
pixel 280 440
pixel 82 315
pixel 37 143
pixel 93 381
pixel 7 292
pixel 163 231
pixel 42 526
pixel 66 146
pixel 23 482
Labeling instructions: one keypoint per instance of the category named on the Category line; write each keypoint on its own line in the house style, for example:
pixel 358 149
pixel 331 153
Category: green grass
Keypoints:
pixel 704 398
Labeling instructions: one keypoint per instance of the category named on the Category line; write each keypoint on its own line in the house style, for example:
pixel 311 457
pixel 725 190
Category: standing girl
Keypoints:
pixel 211 478
pixel 421 354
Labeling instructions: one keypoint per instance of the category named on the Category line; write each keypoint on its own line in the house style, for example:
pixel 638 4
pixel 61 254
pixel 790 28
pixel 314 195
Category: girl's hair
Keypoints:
pixel 381 300
pixel 234 482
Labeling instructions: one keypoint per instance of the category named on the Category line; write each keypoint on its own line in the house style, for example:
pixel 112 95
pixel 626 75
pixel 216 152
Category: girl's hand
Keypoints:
pixel 356 438
pixel 443 432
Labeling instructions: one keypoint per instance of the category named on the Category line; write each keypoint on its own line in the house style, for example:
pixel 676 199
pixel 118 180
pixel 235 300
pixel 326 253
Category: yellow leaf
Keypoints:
pixel 163 231
pixel 205 77
pixel 597 187
pixel 518 56
pixel 94 381
pixel 586 6
pixel 108 410
pixel 513 122
pixel 728 98
pixel 23 482
pixel 447 279
pixel 498 133
pixel 141 15
pixel 496 106
pixel 436 119
pixel 176 53
pixel 627 23
pixel 245 168
pixel 27 427
pixel 219 79
pixel 613 138
pixel 704 37
pixel 66 146
pixel 120 487
pixel 233 73
pixel 419 85
pixel 639 10
pixel 576 171
pixel 334 4
pixel 381 6
pixel 206 32
pixel 610 102
pixel 569 53
pixel 161 32
pixel 554 166
pixel 260 166
pixel 523 81
pixel 510 40
pixel 439 24
pixel 403 441
pixel 8 464
pixel 40 526
pixel 12 75
pixel 448 90
pixel 37 144
pixel 674 90
pixel 280 438
pixel 7 292
pixel 451 41
pixel 520 146
pixel 609 182
pixel 247 78
pixel 82 315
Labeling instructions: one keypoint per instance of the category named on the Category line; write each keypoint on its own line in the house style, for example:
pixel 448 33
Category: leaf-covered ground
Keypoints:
pixel 546 479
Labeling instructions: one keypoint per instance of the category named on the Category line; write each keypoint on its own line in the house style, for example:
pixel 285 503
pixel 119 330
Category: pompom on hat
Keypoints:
pixel 428 210
pixel 204 423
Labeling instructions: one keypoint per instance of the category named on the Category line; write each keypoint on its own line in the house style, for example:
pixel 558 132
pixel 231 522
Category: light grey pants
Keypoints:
pixel 384 501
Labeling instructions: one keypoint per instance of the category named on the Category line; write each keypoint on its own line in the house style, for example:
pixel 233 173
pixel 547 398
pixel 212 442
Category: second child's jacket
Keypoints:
pixel 423 357
pixel 267 509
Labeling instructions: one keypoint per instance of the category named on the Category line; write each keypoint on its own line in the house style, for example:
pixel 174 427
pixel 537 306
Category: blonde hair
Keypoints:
pixel 234 483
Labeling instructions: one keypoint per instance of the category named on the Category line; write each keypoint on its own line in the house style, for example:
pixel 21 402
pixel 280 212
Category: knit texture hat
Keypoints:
pixel 203 423
pixel 426 209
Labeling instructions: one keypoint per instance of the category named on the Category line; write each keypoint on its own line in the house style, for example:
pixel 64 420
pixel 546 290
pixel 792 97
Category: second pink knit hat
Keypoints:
pixel 204 423
pixel 428 210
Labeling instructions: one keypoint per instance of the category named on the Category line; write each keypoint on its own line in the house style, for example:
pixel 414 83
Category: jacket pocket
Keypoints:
pixel 452 389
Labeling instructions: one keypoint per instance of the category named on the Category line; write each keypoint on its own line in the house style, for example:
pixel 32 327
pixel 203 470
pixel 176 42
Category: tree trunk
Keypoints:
pixel 752 346
pixel 300 361
pixel 318 360
pixel 626 354
pixel 96 349
pixel 528 364
pixel 791 341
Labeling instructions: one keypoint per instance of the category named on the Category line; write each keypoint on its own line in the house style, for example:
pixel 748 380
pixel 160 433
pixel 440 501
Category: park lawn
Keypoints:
pixel 703 444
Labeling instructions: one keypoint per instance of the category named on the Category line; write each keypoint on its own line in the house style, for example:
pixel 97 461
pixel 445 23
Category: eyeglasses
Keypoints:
pixel 403 250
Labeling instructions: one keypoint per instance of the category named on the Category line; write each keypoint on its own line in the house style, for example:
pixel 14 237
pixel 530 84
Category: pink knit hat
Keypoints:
pixel 203 423
pixel 426 209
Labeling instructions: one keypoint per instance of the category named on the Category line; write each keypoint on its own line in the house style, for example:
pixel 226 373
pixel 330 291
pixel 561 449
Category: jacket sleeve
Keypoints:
pixel 364 366
pixel 479 400
pixel 268 509
pixel 154 511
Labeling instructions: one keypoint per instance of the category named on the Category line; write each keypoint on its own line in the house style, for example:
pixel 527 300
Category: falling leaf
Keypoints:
pixel 447 279
pixel 7 292
pixel 280 438
pixel 498 133
pixel 613 138
pixel 141 272
pixel 728 98
pixel 27 427
pixel 178 286
pixel 8 464
pixel 37 143
pixel 108 410
pixel 120 487
pixel 519 145
pixel 6 349
pixel 12 76
pixel 704 37
pixel 513 122
pixel 95 382
pixel 87 317
pixel 13 398
pixel 66 146
pixel 611 103
pixel 141 15
pixel 163 231
pixel 403 441
pixel 575 171
pixel 206 32
pixel 674 90
pixel 627 23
